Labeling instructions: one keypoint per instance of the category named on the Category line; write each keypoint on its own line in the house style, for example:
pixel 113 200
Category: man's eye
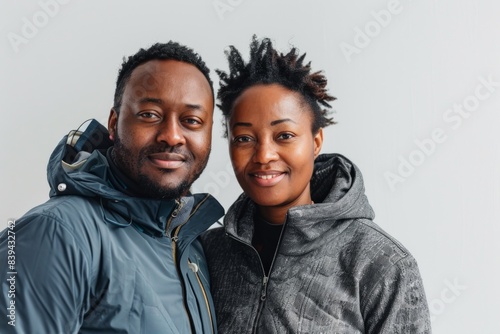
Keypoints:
pixel 148 115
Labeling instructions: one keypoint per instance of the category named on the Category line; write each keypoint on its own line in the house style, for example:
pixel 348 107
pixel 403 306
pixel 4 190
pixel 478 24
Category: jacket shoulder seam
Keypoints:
pixel 383 275
pixel 388 237
pixel 54 218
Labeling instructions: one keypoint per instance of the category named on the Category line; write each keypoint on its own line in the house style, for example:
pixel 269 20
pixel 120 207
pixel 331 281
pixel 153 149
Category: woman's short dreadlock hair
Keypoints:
pixel 268 66
pixel 163 51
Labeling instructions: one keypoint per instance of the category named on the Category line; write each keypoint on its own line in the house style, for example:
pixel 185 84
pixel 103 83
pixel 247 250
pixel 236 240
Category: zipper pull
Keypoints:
pixel 263 294
pixel 175 212
pixel 177 208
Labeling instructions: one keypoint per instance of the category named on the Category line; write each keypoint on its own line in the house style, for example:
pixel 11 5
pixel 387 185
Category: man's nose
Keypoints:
pixel 170 132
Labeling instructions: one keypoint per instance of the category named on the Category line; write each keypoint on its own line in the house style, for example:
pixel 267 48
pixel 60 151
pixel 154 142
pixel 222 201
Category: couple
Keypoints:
pixel 122 246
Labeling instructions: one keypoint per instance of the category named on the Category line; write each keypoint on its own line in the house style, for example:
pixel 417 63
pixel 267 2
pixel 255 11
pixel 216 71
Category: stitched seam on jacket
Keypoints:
pixel 53 218
pixel 380 280
pixel 316 270
pixel 387 236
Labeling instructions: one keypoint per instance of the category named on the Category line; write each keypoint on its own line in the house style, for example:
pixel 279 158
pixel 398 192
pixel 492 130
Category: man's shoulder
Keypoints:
pixel 66 223
pixel 62 208
pixel 74 214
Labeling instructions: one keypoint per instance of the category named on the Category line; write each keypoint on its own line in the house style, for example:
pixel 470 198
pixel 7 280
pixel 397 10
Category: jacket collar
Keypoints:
pixel 79 167
pixel 338 193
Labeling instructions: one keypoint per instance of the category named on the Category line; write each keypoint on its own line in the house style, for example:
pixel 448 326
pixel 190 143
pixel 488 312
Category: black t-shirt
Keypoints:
pixel 265 240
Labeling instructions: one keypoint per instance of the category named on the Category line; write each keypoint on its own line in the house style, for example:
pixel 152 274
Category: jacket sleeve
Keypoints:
pixel 397 303
pixel 46 288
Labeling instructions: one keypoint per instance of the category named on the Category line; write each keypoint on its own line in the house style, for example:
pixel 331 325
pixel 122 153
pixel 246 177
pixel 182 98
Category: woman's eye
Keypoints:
pixel 192 121
pixel 242 139
pixel 285 136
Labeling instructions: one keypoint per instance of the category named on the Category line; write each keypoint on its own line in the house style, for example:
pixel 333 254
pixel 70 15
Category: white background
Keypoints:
pixel 395 86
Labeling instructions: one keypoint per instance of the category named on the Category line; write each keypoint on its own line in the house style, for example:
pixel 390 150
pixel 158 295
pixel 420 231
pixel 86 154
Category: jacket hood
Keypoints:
pixel 337 184
pixel 337 190
pixel 78 166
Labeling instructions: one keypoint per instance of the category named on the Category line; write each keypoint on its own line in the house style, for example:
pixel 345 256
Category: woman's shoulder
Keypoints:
pixel 212 236
pixel 371 251
pixel 370 235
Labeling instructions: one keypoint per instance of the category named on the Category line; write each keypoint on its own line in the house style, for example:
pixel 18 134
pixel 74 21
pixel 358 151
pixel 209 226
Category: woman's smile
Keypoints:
pixel 272 146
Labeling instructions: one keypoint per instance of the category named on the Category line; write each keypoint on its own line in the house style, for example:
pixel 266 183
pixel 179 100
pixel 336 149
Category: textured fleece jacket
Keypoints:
pixel 95 260
pixel 335 271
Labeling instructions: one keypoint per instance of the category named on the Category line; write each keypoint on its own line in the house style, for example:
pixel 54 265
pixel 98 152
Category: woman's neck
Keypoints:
pixel 273 215
pixel 277 214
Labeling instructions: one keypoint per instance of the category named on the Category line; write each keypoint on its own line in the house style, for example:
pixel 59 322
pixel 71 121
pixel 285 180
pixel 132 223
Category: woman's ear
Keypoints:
pixel 318 142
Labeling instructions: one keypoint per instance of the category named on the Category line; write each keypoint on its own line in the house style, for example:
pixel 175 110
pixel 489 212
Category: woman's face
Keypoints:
pixel 272 146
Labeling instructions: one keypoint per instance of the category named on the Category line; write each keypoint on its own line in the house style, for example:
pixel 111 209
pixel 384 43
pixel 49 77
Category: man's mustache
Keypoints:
pixel 166 149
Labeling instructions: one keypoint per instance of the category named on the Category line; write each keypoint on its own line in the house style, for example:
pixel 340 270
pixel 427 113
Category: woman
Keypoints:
pixel 299 252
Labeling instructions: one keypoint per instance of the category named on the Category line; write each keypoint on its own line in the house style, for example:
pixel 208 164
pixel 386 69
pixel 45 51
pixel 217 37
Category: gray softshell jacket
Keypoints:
pixel 335 271
pixel 94 260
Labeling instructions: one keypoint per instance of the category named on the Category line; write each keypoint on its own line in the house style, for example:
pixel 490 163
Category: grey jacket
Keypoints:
pixel 95 260
pixel 335 271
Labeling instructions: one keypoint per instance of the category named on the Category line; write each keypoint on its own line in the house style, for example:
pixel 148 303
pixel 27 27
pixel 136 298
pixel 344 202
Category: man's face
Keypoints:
pixel 163 130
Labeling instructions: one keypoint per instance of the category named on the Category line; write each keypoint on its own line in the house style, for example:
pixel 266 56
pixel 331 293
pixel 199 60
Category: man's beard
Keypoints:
pixel 144 185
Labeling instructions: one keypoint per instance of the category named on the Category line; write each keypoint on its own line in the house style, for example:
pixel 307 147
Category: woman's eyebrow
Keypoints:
pixel 276 122
pixel 242 124
pixel 282 120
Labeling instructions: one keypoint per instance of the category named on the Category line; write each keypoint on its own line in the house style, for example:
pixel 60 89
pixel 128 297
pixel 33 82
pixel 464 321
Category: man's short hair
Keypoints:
pixel 163 51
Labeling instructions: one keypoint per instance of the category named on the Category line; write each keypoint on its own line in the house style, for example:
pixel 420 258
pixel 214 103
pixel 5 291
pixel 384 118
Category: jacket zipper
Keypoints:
pixel 206 298
pixel 178 206
pixel 265 279
pixel 175 238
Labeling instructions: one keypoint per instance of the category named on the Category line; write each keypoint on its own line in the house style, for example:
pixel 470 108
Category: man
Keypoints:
pixel 116 248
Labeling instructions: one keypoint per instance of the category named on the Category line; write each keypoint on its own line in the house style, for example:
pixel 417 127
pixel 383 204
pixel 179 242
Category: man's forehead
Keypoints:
pixel 160 67
pixel 156 75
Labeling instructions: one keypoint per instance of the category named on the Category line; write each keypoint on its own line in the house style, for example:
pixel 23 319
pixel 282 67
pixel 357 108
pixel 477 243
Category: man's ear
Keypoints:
pixel 318 142
pixel 112 122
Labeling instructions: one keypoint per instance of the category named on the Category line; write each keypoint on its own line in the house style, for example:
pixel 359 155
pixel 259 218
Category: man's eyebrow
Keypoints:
pixel 159 102
pixel 194 107
pixel 151 100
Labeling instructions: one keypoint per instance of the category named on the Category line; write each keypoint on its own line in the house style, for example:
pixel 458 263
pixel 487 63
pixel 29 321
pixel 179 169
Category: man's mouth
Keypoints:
pixel 167 160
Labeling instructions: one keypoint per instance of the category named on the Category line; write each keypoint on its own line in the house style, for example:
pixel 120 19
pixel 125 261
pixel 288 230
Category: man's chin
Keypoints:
pixel 174 191
pixel 168 184
pixel 163 189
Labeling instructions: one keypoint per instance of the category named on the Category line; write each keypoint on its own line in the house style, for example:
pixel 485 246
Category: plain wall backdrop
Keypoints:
pixel 418 88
